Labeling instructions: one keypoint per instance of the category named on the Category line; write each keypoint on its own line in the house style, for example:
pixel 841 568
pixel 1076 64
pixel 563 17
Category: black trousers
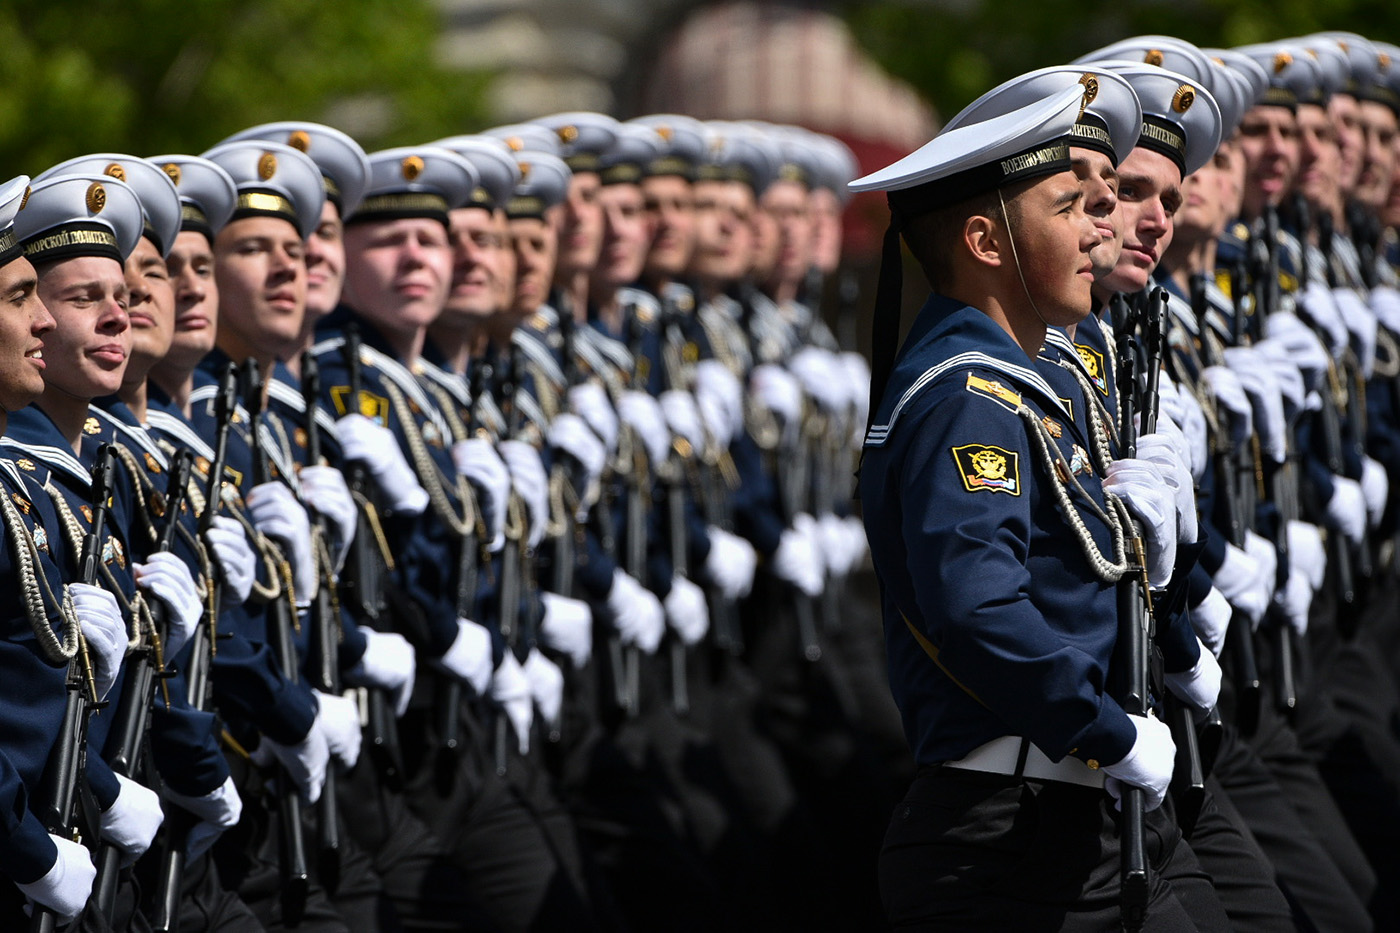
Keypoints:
pixel 973 851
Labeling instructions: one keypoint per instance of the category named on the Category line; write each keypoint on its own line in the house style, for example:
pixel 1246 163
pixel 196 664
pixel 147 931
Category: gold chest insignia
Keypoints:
pixel 1052 426
pixel 92 426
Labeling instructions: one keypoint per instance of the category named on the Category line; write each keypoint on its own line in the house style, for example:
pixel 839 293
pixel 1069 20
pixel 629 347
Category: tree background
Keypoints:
pixel 952 51
pixel 148 77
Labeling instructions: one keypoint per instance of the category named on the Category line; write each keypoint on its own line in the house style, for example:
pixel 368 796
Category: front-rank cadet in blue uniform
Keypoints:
pixel 997 558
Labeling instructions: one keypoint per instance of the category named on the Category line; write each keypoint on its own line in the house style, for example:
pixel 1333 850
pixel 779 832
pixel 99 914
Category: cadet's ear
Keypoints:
pixel 982 237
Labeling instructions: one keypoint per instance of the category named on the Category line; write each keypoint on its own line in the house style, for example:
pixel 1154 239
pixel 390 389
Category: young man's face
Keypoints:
pixel 191 268
pixel 535 242
pixel 723 230
pixel 581 226
pixel 325 263
pixel 1053 239
pixel 398 272
pixel 786 203
pixel 479 263
pixel 86 352
pixel 1099 181
pixel 260 265
pixel 626 235
pixel 670 204
pixel 150 308
pixel 1378 162
pixel 826 229
pixel 1345 113
pixel 1149 194
pixel 1269 143
pixel 24 324
pixel 1319 158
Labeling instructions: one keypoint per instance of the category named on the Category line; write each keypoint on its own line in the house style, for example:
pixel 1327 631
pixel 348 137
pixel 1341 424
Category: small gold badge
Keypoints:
pixel 115 170
pixel 92 426
pixel 567 134
pixel 158 503
pixel 24 463
pixel 1091 87
pixel 665 132
pixel 96 197
pixel 515 143
pixel 1153 57
pixel 299 140
pixel 299 435
pixel 524 170
pixel 1052 426
pixel 87 512
pixel 20 502
pixel 202 464
pixel 267 166
pixel 1184 97
pixel 1383 59
pixel 172 171
pixel 412 167
pixel 152 463
pixel 1281 61
pixel 987 468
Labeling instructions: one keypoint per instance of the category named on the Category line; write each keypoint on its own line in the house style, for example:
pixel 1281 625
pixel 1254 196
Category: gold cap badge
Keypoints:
pixel 515 143
pixel 96 197
pixel 1153 57
pixel 1184 97
pixel 300 140
pixel 411 167
pixel 568 134
pixel 172 171
pixel 267 166
pixel 116 171
pixel 1281 61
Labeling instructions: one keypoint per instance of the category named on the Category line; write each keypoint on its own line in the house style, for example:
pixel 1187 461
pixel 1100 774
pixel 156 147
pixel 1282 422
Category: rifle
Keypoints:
pixel 675 508
pixel 1135 632
pixel 68 763
pixel 325 639
pixel 296 877
pixel 134 707
pixel 512 557
pixel 362 586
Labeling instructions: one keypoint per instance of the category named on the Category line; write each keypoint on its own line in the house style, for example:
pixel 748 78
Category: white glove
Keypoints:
pixel 637 613
pixel 376 447
pixel 324 489
pixel 546 685
pixel 217 810
pixel 1263 391
pixel 1147 765
pixel 530 484
pixel 1297 602
pixel 339 722
pixel 1307 555
pixel 105 631
pixel 169 579
pixel 590 402
pixel 856 542
pixel 721 400
pixel 66 886
pixel 1375 488
pixel 1229 394
pixel 1240 580
pixel 797 559
pixel 778 390
pixel 567 626
pixel 238 565
pixel 388 662
pixel 1181 406
pixel 1141 487
pixel 686 610
pixel 1300 344
pixel 1361 325
pixel 130 823
pixel 1266 556
pixel 510 689
pixel 570 434
pixel 1385 304
pixel 1165 451
pixel 469 657
pixel 730 563
pixel 478 461
pixel 643 414
pixel 1346 510
pixel 683 417
pixel 276 513
pixel 1318 302
pixel 833 542
pixel 1292 384
pixel 1210 618
pixel 822 377
pixel 1199 686
pixel 306 761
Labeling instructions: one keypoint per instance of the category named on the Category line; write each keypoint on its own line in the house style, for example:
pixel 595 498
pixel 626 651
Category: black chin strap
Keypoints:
pixel 884 330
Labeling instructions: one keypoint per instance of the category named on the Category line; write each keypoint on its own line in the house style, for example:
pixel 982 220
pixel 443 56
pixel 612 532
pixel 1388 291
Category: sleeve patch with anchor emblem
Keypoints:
pixel 985 468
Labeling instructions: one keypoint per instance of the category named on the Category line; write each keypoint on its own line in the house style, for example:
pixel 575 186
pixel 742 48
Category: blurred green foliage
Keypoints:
pixel 952 51
pixel 156 76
